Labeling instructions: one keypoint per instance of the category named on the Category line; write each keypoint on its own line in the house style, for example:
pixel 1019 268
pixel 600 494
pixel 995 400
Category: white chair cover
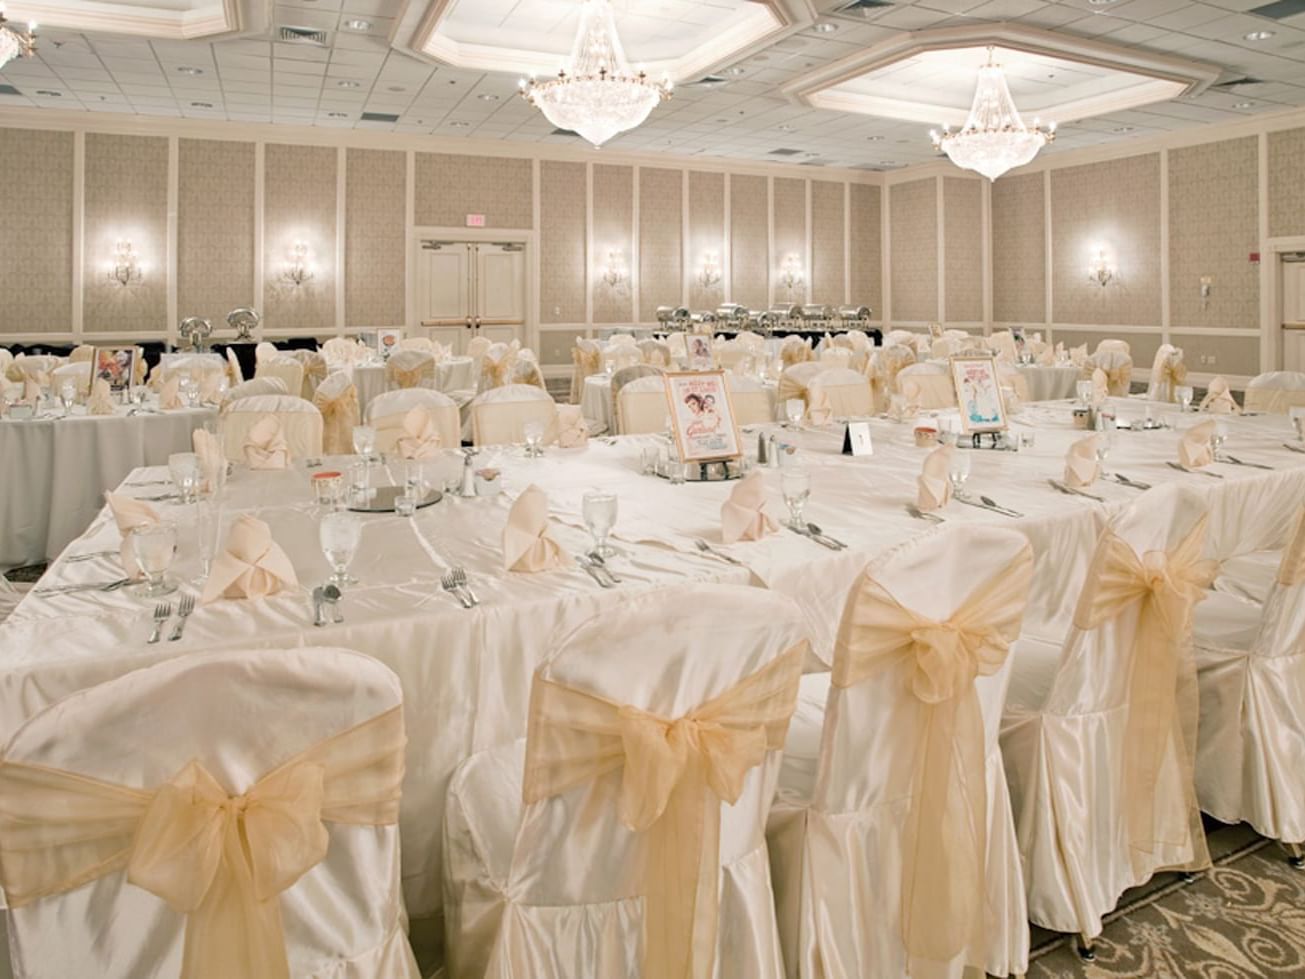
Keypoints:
pixel 1087 721
pixel 795 350
pixel 315 371
pixel 337 399
pixel 622 377
pixel 850 801
pixel 79 374
pixel 1011 377
pixel 1117 346
pixel 833 356
pixel 795 381
pixel 622 354
pixel 558 888
pixel 36 367
pixel 386 413
pixel 526 370
pixel 499 416
pixel 6 362
pixel 265 351
pixel 752 400
pixel 254 388
pixel 882 367
pixel 411 369
pixel 476 350
pixel 289 370
pixel 587 360
pixel 301 424
pixel 344 350
pixel 641 406
pixel 1277 392
pixel 239 715
pixel 1118 368
pixel 656 354
pixel 1167 372
pixel 498 365
pixel 850 395
pixel 424 344
pixel 1003 342
pixel 927 386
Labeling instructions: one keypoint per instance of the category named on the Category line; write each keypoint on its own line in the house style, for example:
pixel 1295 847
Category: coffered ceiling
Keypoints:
pixel 749 69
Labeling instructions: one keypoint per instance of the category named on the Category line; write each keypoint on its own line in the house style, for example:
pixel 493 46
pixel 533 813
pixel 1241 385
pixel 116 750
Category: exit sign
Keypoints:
pixel 475 220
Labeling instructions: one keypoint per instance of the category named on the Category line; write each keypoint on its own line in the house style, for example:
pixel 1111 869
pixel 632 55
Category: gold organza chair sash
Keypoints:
pixel 339 417
pixel 1118 379
pixel 413 377
pixel 1164 587
pixel 219 859
pixel 588 361
pixel 676 773
pixel 944 851
pixel 499 372
pixel 1173 371
pixel 789 389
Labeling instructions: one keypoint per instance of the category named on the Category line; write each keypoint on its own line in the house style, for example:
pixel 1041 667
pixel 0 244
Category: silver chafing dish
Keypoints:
pixel 854 314
pixel 817 313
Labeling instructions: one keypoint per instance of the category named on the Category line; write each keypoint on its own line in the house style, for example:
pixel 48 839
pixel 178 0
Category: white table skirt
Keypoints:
pixel 1050 383
pixel 54 472
pixel 466 674
pixel 451 374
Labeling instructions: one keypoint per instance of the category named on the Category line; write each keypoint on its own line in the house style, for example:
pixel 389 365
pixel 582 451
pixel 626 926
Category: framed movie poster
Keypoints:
pixel 387 341
pixel 702 416
pixel 699 354
pixel 116 365
pixel 978 391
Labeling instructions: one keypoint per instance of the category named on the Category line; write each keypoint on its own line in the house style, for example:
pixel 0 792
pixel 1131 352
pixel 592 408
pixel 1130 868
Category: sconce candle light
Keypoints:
pixel 710 272
pixel 125 269
pixel 1100 272
pixel 615 273
pixel 298 270
pixel 791 275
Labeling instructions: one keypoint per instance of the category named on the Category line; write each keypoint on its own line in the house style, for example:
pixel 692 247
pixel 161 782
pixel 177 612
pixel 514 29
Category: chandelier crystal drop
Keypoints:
pixel 600 95
pixel 994 138
pixel 13 42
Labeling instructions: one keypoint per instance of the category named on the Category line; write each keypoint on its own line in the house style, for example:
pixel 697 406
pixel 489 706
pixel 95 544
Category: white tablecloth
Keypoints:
pixel 451 374
pixel 54 472
pixel 1050 383
pixel 466 674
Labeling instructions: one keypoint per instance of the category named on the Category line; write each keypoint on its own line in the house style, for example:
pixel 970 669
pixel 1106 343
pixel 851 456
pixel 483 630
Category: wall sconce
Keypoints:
pixel 710 273
pixel 1100 271
pixel 615 273
pixel 1207 286
pixel 125 269
pixel 791 274
pixel 298 270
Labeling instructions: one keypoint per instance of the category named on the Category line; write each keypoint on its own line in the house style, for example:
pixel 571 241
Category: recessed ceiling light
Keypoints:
pixel 188 70
pixel 811 156
pixel 396 88
pixel 346 84
pixel 888 163
pixel 787 129
pixel 201 105
pixel 874 139
pixel 338 115
pixel 358 25
pixel 1243 105
pixel 487 97
pixel 49 93
pixel 735 71
pixel 1258 35
pixel 1123 129
pixel 459 125
pixel 1101 3
pixel 825 27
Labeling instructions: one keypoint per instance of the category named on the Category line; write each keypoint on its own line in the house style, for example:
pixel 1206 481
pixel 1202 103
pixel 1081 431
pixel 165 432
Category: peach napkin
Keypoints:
pixel 170 393
pixel 934 488
pixel 1078 355
pixel 744 515
pixel 210 387
pixel 265 446
pixel 129 514
pixel 252 565
pixel 101 399
pixel 1081 466
pixel 212 460
pixel 1218 399
pixel 527 545
pixel 1194 448
pixel 572 430
pixel 420 438
pixel 1047 358
pixel 819 411
pixel 31 392
pixel 1100 387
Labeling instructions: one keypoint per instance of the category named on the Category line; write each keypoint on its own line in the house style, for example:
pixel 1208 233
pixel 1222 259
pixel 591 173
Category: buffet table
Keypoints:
pixel 466 673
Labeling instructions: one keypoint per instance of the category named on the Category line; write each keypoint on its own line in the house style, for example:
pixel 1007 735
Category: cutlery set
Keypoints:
pixel 1193 472
pixel 1074 490
pixel 456 584
pixel 163 612
pixel 597 570
pixel 706 548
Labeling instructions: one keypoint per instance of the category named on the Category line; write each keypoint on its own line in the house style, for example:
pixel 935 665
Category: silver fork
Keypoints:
pixel 187 606
pixel 451 586
pixel 919 514
pixel 162 612
pixel 602 564
pixel 708 549
pixel 460 579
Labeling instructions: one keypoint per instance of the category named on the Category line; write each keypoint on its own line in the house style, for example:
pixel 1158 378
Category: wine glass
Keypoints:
pixel 1298 422
pixel 795 484
pixel 153 546
pixel 67 396
pixel 339 534
pixel 183 467
pixel 208 523
pixel 793 409
pixel 958 471
pixel 599 511
pixel 534 433
pixel 1105 443
pixel 1183 395
pixel 1083 389
pixel 1219 437
pixel 364 441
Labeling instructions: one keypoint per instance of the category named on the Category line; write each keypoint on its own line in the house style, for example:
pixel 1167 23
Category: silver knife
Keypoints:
pixel 593 572
pixel 812 537
pixel 1074 491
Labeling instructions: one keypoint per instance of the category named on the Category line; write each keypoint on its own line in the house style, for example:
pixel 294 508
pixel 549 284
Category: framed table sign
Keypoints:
pixel 978 391
pixel 117 365
pixel 702 416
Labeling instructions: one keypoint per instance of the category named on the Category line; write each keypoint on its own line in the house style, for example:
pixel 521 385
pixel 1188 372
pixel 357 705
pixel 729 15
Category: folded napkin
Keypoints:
pixel 31 392
pixel 212 460
pixel 819 411
pixel 170 393
pixel 527 545
pixel 129 514
pixel 1081 466
pixel 934 488
pixel 101 399
pixel 572 429
pixel 1047 358
pixel 744 515
pixel 1060 351
pixel 252 565
pixel 1078 355
pixel 1011 399
pixel 1194 448
pixel 420 437
pixel 1100 387
pixel 210 387
pixel 265 446
pixel 909 405
pixel 1218 398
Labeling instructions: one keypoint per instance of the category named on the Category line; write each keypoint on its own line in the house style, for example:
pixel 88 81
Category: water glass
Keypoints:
pixel 1105 442
pixel 1027 440
pixel 339 534
pixel 153 546
pixel 364 441
pixel 793 409
pixel 599 511
pixel 1083 389
pixel 405 505
pixel 534 433
pixel 183 467
pixel 1220 435
pixel 958 471
pixel 1298 422
pixel 795 484
pixel 1183 395
pixel 67 396
pixel 360 483
pixel 648 460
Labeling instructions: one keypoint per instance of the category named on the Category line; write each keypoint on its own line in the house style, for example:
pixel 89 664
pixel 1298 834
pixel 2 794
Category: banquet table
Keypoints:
pixel 54 471
pixel 1049 382
pixel 596 402
pixel 451 374
pixel 466 673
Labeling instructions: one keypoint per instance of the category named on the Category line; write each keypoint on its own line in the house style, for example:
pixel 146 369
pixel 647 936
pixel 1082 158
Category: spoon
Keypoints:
pixel 919 514
pixel 1121 478
pixel 821 535
pixel 989 501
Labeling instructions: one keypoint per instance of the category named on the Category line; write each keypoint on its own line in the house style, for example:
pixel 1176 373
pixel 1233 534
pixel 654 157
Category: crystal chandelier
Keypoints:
pixel 13 42
pixel 600 96
pixel 994 138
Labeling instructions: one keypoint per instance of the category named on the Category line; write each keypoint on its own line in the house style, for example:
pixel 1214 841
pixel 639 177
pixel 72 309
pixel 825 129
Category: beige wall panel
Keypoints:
pixel 749 242
pixel 867 246
pixel 562 242
pixel 555 346
pixel 1213 228
pixel 375 254
pixel 1286 186
pixel 1113 205
pixel 827 264
pixel 215 228
pixel 613 232
pixel 1019 250
pixel 790 235
pixel 661 225
pixel 706 236
pixel 449 187
pixel 299 205
pixel 963 244
pixel 1142 346
pixel 36 231
pixel 126 197
pixel 1232 355
pixel 913 210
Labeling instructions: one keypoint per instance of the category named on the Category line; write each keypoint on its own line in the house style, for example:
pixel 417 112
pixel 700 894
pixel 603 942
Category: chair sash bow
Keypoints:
pixel 410 378
pixel 339 416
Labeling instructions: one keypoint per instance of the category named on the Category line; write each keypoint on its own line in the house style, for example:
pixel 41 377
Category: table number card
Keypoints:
pixel 856 440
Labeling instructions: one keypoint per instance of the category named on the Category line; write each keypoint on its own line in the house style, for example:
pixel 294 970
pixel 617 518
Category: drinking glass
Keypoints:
pixel 339 534
pixel 208 523
pixel 534 433
pixel 364 441
pixel 1105 443
pixel 1220 436
pixel 648 460
pixel 1084 391
pixel 599 511
pixel 153 546
pixel 1183 395
pixel 793 409
pixel 67 396
pixel 795 484
pixel 183 467
pixel 958 471
pixel 1298 422
pixel 138 393
pixel 360 480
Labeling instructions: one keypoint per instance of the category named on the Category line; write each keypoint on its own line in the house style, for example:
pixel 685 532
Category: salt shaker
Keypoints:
pixel 468 477
pixel 763 457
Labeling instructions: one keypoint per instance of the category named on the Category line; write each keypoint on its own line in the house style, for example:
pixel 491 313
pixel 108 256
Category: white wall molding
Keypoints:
pixel 341 193
pixel 172 257
pixel 79 237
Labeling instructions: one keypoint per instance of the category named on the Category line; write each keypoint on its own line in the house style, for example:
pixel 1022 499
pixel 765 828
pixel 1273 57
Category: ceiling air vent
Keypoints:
pixel 708 81
pixel 784 152
pixel 565 132
pixel 1280 10
pixel 379 117
pixel 862 7
pixel 1239 82
pixel 302 35
pixel 9 90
